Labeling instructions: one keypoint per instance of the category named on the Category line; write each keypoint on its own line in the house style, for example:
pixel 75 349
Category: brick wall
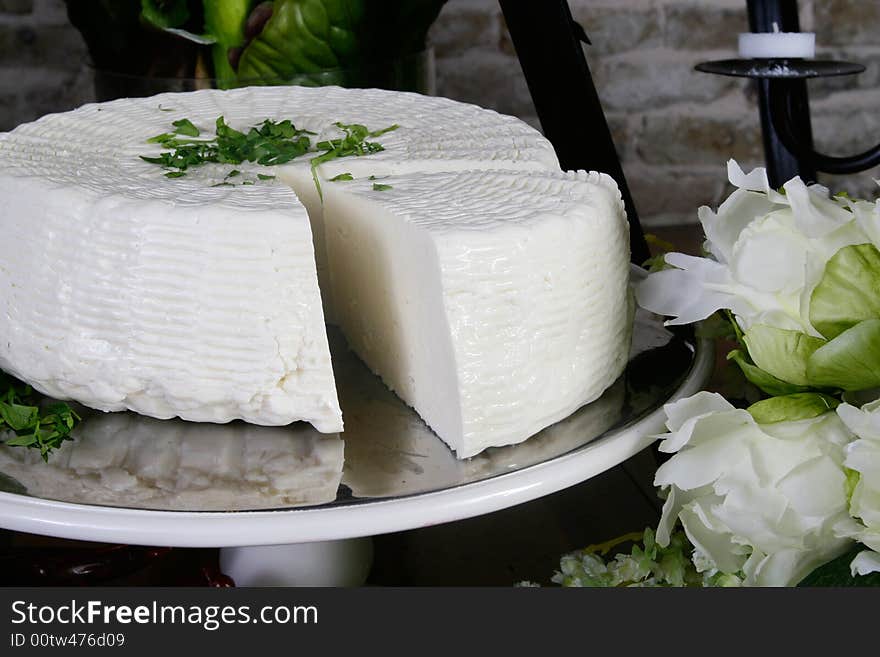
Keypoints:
pixel 674 128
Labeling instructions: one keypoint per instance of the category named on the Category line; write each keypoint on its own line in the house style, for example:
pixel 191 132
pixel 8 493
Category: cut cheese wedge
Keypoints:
pixel 494 303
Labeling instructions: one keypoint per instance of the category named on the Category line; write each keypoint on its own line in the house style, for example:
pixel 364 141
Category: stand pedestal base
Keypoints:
pixel 325 563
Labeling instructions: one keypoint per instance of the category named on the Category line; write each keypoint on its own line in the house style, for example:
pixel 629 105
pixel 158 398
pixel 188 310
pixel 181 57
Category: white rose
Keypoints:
pixel 768 250
pixel 863 457
pixel 767 501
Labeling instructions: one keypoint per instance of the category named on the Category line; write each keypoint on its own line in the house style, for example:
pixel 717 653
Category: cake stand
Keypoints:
pixel 314 497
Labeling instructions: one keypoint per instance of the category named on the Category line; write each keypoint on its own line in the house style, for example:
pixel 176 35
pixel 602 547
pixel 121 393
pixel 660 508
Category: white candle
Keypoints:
pixel 777 45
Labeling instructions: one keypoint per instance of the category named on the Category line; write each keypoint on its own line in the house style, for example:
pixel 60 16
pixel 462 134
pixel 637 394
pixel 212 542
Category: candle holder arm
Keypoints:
pixel 780 101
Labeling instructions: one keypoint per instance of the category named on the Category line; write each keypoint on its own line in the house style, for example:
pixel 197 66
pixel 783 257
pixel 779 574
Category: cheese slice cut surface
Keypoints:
pixel 494 303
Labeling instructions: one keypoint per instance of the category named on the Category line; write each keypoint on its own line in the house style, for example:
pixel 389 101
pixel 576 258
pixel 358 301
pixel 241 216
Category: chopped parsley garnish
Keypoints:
pixel 43 428
pixel 342 177
pixel 354 143
pixel 379 187
pixel 270 143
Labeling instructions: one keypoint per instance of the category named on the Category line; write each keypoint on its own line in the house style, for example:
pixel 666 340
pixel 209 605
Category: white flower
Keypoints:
pixel 763 501
pixel 863 457
pixel 768 250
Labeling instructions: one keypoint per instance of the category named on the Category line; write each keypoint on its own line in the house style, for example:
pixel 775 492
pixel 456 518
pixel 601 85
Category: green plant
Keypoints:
pixel 240 42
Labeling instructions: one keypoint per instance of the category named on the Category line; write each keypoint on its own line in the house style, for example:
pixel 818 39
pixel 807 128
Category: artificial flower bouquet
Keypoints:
pixel 770 495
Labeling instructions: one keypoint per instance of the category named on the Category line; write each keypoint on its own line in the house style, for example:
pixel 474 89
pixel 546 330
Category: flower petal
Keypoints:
pixel 815 213
pixel 711 538
pixel 865 562
pixel 682 293
pixel 723 228
pixel 681 410
pixel 756 181
pixel 701 465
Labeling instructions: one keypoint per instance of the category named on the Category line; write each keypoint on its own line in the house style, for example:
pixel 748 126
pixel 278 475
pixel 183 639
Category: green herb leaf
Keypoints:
pixel 354 143
pixel 379 187
pixel 263 176
pixel 379 133
pixel 342 177
pixel 18 417
pixel 29 424
pixel 160 139
pixel 269 143
pixel 25 440
pixel 185 127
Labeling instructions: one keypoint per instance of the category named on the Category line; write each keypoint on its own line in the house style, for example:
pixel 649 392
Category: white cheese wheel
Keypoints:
pixel 123 289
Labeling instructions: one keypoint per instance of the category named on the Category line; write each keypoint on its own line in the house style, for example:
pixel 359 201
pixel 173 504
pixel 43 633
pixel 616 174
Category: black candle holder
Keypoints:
pixel 783 101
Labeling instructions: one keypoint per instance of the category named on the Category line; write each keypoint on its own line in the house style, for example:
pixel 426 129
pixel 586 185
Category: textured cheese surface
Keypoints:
pixel 123 289
pixel 494 303
pixel 124 460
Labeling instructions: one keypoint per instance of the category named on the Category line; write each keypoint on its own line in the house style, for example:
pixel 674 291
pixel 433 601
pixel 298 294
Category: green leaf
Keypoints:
pixel 838 573
pixel 304 36
pixel 17 416
pixel 789 408
pixel 780 352
pixel 766 382
pixel 379 187
pixel 850 361
pixel 342 177
pixel 25 440
pixel 263 176
pixel 185 127
pixel 383 131
pixel 849 291
pixel 161 139
pixel 20 413
pixel 165 13
pixel 225 21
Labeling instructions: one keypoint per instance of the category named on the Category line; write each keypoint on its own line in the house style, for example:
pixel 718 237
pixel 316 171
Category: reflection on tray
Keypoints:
pixel 121 459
